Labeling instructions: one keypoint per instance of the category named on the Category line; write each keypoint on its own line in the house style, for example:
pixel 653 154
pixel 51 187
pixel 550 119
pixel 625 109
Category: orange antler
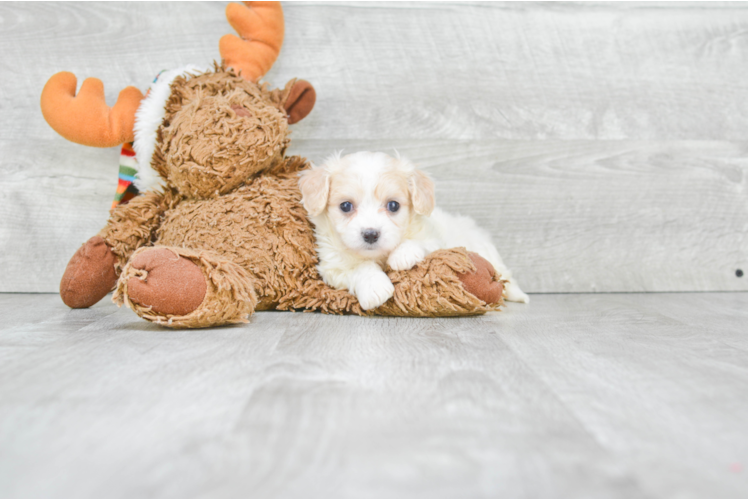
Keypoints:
pixel 86 118
pixel 260 25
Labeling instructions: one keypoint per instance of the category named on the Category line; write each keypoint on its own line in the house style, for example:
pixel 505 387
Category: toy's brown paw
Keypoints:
pixel 481 282
pixel 90 274
pixel 166 282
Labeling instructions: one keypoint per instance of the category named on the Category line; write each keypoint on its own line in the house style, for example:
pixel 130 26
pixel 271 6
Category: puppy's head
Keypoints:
pixel 370 199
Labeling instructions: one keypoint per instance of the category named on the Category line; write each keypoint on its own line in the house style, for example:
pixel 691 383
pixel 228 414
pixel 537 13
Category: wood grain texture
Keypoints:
pixel 616 131
pixel 576 395
pixel 526 71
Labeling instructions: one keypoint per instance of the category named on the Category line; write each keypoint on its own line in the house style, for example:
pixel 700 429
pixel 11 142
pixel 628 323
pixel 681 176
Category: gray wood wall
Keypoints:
pixel 603 145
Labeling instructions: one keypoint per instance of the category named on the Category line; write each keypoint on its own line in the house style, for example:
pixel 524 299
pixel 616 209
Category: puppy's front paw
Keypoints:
pixel 375 291
pixel 405 257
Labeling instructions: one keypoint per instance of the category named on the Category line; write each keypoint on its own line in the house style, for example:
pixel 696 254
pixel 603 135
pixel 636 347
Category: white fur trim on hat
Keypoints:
pixel 148 119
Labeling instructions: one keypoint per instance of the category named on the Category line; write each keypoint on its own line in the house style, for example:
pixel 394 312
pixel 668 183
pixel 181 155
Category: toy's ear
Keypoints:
pixel 299 100
pixel 314 184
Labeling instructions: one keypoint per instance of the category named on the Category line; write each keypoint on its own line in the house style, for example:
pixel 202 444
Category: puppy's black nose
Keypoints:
pixel 370 235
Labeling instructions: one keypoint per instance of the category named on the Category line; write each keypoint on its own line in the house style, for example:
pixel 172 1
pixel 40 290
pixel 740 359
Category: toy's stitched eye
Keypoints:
pixel 393 206
pixel 346 206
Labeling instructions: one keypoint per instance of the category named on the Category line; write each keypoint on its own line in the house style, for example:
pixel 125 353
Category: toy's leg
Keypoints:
pixel 512 291
pixel 484 282
pixel 446 283
pixel 90 274
pixel 185 288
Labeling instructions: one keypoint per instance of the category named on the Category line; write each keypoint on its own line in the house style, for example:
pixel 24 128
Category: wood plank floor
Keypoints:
pixel 573 395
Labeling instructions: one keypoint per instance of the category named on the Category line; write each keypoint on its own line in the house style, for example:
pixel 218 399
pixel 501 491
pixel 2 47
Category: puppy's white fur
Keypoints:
pixel 404 237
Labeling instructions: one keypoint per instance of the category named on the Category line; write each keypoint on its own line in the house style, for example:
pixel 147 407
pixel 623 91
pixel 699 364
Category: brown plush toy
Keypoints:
pixel 220 231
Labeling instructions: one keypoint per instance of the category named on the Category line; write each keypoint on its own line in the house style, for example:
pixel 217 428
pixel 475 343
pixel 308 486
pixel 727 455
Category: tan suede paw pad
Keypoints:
pixel 166 282
pixel 483 282
pixel 89 275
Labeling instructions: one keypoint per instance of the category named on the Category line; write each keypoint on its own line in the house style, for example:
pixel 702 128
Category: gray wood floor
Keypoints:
pixel 573 395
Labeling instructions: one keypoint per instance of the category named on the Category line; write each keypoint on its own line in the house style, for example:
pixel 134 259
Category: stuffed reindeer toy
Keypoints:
pixel 217 230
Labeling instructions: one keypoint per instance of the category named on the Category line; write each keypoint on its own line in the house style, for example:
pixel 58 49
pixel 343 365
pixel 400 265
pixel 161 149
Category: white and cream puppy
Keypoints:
pixel 370 209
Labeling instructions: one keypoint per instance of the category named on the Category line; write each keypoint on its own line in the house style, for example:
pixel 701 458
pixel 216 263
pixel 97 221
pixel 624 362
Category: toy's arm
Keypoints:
pixel 446 283
pixel 451 282
pixel 134 224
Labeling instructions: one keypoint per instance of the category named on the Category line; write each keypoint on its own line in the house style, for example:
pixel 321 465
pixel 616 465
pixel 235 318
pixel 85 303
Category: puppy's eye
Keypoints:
pixel 346 206
pixel 393 206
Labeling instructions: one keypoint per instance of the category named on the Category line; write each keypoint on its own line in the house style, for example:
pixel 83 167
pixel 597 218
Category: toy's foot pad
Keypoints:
pixel 90 274
pixel 481 282
pixel 166 282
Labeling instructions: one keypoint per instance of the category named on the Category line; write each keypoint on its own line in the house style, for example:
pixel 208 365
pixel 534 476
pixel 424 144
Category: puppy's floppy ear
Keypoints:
pixel 421 192
pixel 315 188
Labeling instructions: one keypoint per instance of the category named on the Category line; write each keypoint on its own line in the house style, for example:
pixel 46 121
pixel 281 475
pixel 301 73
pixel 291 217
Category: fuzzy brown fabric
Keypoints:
pixel 205 148
pixel 434 288
pixel 261 226
pixel 232 210
pixel 90 274
pixel 133 224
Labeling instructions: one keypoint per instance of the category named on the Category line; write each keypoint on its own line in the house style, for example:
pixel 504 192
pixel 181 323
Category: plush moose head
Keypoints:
pixel 219 129
pixel 204 132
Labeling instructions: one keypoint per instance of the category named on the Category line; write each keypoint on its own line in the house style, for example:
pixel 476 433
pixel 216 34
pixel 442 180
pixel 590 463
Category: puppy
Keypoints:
pixel 370 209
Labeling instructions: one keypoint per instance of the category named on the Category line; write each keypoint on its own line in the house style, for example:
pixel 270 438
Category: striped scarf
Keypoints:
pixel 128 167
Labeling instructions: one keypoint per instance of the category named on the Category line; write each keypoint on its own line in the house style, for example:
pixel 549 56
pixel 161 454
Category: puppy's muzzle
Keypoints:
pixel 370 236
